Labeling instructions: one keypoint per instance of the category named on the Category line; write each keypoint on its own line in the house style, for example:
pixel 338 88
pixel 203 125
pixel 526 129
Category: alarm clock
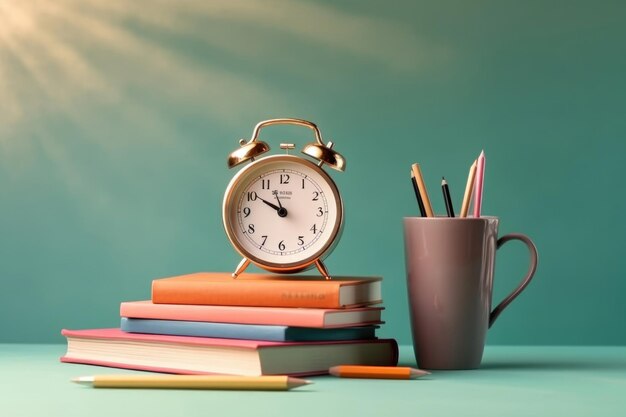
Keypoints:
pixel 283 213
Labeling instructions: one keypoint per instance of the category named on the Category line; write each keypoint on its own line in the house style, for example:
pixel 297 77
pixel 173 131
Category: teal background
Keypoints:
pixel 116 119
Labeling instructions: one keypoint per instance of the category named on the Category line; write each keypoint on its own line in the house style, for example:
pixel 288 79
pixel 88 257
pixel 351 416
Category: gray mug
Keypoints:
pixel 450 264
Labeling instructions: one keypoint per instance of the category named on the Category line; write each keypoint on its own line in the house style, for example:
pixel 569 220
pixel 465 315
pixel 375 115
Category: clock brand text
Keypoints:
pixel 295 295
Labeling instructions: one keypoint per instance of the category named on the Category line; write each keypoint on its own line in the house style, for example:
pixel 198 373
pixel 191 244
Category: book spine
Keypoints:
pixel 227 314
pixel 204 329
pixel 261 294
pixel 244 331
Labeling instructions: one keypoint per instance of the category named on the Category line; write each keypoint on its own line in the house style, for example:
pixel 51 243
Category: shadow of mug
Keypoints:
pixel 450 265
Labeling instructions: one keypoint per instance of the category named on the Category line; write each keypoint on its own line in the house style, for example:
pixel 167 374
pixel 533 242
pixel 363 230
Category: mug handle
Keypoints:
pixel 532 267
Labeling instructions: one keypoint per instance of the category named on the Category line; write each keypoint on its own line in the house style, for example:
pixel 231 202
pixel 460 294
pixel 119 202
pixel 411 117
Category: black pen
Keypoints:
pixel 446 197
pixel 420 203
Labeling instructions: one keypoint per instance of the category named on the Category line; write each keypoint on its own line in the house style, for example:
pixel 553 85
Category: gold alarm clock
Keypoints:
pixel 283 212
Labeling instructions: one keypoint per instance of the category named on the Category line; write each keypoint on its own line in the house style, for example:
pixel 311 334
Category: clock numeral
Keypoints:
pixel 246 212
pixel 251 228
pixel 284 178
pixel 320 212
pixel 265 184
pixel 264 237
pixel 252 196
pixel 314 229
pixel 281 245
pixel 316 196
pixel 300 240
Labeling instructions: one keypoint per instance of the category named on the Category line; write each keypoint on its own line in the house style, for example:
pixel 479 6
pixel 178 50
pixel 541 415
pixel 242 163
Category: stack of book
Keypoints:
pixel 253 325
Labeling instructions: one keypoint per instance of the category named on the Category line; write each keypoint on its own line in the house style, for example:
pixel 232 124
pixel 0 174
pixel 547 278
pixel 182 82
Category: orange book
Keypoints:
pixel 265 290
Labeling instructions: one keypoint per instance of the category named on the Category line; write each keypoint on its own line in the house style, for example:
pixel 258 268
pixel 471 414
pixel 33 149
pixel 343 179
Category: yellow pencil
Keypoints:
pixel 422 188
pixel 468 190
pixel 216 382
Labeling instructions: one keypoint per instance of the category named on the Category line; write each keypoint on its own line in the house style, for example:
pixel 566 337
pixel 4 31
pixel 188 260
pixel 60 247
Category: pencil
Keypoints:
pixel 216 382
pixel 478 184
pixel 417 173
pixel 468 190
pixel 376 372
pixel 420 203
pixel 446 197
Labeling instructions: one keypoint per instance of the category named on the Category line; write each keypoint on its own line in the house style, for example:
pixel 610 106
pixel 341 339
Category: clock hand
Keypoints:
pixel 282 212
pixel 275 193
pixel 274 206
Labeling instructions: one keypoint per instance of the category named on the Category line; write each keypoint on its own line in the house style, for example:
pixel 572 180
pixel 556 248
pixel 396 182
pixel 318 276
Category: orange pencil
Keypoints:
pixel 469 188
pixel 377 372
pixel 421 185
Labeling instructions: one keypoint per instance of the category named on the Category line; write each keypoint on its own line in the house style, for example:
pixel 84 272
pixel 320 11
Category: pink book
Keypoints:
pixel 277 316
pixel 201 355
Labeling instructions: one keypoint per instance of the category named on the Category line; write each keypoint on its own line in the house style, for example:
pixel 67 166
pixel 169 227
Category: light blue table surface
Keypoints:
pixel 513 381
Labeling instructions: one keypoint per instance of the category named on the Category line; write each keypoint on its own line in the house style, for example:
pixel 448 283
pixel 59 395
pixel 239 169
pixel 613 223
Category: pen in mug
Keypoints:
pixel 446 197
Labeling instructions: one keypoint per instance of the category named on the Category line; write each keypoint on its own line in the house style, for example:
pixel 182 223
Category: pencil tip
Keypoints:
pixel 417 373
pixel 443 180
pixel 84 380
pixel 297 382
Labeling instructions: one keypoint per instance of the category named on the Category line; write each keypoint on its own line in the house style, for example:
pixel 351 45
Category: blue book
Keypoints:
pixel 245 331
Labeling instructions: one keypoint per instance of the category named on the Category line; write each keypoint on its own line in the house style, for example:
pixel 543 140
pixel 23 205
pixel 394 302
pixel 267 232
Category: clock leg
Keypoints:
pixel 241 267
pixel 322 268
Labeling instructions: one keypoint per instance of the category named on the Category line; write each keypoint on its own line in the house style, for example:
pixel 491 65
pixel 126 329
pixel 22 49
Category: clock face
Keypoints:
pixel 282 211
